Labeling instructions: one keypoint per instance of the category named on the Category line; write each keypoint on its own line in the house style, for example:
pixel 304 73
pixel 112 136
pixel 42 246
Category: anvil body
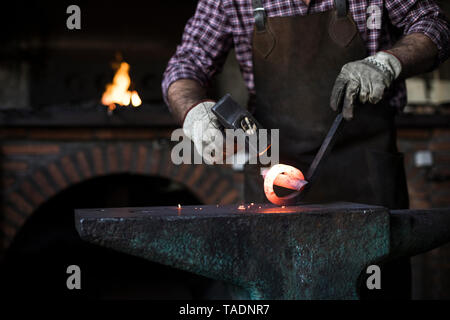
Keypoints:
pixel 298 252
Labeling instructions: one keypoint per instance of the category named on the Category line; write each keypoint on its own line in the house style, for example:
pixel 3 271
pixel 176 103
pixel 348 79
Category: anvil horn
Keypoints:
pixel 417 231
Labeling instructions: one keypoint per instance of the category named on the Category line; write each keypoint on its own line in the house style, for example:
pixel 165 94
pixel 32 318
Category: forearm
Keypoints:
pixel 182 95
pixel 206 41
pixel 417 53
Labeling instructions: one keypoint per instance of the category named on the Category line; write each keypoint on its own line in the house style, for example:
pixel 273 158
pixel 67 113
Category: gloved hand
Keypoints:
pixel 202 127
pixel 365 80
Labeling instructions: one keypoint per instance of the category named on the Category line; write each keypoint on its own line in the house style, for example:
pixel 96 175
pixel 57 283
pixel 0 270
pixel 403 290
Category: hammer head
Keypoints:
pixel 233 116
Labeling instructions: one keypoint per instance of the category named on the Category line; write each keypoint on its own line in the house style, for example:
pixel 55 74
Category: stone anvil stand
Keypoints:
pixel 299 252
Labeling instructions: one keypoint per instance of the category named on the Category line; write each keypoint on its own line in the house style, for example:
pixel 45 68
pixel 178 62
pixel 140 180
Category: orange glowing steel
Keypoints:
pixel 286 181
pixel 283 176
pixel 264 151
pixel 117 92
pixel 277 210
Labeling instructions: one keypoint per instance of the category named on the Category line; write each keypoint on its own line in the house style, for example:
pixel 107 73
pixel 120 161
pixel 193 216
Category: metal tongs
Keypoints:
pixel 322 154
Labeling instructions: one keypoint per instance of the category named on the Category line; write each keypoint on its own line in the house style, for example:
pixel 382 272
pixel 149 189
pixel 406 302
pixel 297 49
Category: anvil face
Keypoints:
pixel 298 252
pixel 221 211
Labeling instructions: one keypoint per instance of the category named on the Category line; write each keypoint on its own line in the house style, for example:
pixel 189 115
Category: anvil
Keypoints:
pixel 298 252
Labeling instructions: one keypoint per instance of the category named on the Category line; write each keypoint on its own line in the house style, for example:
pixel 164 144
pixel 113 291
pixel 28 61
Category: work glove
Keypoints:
pixel 203 128
pixel 364 81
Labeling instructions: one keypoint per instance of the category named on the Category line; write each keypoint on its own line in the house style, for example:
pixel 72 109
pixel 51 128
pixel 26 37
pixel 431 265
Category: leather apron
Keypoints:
pixel 296 62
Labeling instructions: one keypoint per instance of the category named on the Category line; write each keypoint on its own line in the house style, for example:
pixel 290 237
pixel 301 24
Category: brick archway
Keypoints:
pixel 73 163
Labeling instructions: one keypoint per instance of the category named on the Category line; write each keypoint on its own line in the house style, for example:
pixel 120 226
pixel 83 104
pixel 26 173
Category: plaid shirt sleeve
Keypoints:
pixel 207 39
pixel 422 16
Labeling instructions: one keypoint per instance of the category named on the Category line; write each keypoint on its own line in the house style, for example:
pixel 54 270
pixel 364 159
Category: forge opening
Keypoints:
pixel 35 264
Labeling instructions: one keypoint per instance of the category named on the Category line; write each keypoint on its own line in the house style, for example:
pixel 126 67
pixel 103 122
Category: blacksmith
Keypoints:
pixel 302 60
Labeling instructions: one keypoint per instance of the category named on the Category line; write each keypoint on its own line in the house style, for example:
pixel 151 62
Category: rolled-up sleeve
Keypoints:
pixel 422 16
pixel 206 41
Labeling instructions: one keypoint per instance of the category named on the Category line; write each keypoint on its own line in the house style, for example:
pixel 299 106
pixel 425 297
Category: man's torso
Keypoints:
pixel 367 14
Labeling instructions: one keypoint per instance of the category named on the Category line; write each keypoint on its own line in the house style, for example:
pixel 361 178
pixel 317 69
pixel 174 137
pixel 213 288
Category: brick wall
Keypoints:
pixel 429 187
pixel 36 164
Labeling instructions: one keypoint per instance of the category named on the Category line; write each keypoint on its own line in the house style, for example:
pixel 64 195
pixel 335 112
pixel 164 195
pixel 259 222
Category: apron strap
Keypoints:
pixel 259 14
pixel 341 8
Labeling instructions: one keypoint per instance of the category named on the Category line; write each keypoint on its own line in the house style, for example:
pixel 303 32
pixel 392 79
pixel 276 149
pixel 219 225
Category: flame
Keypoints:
pixel 117 92
pixel 135 99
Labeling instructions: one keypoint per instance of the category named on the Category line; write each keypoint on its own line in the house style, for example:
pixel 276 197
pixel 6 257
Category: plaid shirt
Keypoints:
pixel 220 25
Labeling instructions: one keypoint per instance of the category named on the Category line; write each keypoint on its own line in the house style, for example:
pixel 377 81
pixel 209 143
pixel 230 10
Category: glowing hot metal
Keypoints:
pixel 283 176
pixel 292 178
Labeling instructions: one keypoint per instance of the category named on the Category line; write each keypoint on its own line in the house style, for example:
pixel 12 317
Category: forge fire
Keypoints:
pixel 117 92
